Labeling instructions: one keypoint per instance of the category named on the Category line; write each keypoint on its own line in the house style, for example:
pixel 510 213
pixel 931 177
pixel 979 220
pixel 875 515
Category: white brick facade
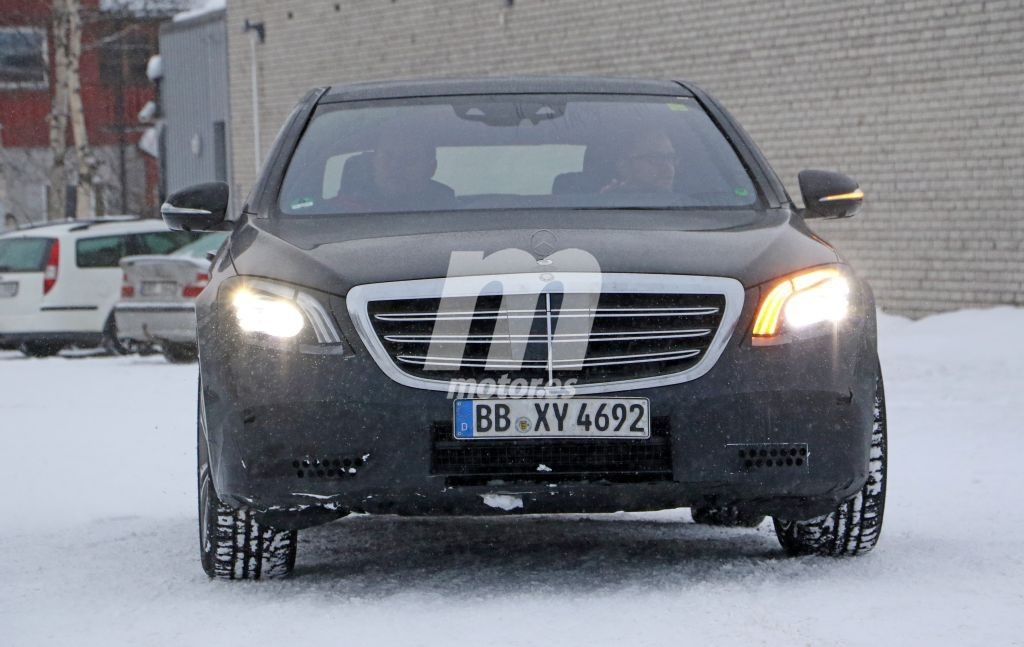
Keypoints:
pixel 922 102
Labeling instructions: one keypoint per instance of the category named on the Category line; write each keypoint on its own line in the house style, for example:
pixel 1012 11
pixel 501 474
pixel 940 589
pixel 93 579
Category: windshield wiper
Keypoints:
pixel 635 208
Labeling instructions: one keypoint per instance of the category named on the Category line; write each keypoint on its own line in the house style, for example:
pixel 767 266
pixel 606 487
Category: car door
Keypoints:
pixel 97 283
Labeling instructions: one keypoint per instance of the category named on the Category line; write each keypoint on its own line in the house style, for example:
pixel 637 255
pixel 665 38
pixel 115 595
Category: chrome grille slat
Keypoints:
pixel 485 315
pixel 423 360
pixel 543 339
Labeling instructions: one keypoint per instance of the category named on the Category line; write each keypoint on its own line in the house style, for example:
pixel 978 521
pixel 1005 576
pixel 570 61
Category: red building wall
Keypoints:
pixel 23 112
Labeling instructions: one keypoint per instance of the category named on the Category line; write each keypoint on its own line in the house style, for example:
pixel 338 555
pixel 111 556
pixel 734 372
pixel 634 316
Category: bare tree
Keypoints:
pixel 88 165
pixel 73 160
pixel 58 117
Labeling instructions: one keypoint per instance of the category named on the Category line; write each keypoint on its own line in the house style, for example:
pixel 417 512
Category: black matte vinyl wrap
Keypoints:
pixel 267 409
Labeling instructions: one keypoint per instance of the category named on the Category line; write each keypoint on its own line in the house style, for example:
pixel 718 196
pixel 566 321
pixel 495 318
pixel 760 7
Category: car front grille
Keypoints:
pixel 639 330
pixel 633 335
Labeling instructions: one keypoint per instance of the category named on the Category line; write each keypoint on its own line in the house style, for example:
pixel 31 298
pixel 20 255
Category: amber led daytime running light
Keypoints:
pixel 853 195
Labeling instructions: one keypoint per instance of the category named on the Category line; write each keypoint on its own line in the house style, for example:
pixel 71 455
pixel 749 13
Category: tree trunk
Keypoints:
pixel 87 163
pixel 58 117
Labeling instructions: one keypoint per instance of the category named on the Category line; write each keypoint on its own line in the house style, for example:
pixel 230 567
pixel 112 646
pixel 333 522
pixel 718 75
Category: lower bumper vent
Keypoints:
pixel 477 462
pixel 339 467
pixel 771 455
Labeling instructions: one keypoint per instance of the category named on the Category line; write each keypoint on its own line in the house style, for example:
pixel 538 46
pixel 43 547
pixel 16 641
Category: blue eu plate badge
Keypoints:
pixel 509 419
pixel 463 418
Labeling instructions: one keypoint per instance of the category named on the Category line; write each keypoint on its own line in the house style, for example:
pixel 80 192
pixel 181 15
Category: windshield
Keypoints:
pixel 24 254
pixel 513 152
pixel 201 247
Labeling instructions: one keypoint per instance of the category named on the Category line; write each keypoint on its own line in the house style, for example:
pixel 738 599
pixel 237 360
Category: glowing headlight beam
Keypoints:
pixel 266 314
pixel 826 301
pixel 802 300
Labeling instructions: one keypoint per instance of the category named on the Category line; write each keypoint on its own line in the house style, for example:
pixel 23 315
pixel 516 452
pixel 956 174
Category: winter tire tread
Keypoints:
pixel 233 545
pixel 853 528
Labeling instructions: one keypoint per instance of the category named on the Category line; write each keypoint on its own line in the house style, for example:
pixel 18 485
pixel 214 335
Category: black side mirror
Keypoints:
pixel 828 194
pixel 201 207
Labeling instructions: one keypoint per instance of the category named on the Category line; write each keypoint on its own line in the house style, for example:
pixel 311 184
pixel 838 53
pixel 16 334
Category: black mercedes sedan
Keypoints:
pixel 529 295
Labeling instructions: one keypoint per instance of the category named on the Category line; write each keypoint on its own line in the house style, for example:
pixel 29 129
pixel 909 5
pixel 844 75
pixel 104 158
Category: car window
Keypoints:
pixel 161 242
pixel 201 247
pixel 513 151
pixel 519 170
pixel 475 170
pixel 101 251
pixel 24 254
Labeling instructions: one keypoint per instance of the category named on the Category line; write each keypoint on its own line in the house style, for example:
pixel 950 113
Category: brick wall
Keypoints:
pixel 921 101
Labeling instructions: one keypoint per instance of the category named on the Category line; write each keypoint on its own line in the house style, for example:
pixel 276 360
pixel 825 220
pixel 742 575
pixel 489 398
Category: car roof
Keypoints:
pixel 106 225
pixel 502 85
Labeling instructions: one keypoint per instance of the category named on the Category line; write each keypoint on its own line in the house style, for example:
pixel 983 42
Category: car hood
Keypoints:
pixel 335 254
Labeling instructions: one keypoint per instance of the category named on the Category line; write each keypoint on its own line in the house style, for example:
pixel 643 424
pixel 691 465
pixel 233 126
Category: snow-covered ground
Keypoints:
pixel 98 539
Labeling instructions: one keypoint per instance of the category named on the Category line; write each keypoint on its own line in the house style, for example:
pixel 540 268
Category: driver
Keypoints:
pixel 647 165
pixel 401 174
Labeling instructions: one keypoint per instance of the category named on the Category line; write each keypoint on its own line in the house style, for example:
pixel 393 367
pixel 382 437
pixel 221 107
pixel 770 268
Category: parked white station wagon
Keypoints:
pixel 59 282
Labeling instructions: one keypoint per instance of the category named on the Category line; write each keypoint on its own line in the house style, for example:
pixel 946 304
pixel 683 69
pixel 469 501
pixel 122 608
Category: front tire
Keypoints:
pixel 852 528
pixel 110 341
pixel 39 348
pixel 233 545
pixel 176 353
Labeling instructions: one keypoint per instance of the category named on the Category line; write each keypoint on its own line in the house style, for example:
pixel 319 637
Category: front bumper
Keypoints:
pixel 12 340
pixel 53 321
pixel 149 322
pixel 267 411
pixel 63 326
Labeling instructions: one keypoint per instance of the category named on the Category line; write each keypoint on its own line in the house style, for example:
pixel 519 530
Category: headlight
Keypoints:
pixel 282 312
pixel 811 297
pixel 266 314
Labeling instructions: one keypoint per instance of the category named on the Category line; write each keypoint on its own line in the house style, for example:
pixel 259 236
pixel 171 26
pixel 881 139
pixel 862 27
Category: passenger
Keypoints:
pixel 648 165
pixel 401 172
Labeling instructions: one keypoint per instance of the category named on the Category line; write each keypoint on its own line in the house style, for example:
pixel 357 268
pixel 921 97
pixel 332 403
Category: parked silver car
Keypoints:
pixel 158 294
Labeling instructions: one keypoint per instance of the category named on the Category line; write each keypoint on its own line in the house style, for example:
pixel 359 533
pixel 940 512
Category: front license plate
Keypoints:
pixel 555 418
pixel 159 288
pixel 8 290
